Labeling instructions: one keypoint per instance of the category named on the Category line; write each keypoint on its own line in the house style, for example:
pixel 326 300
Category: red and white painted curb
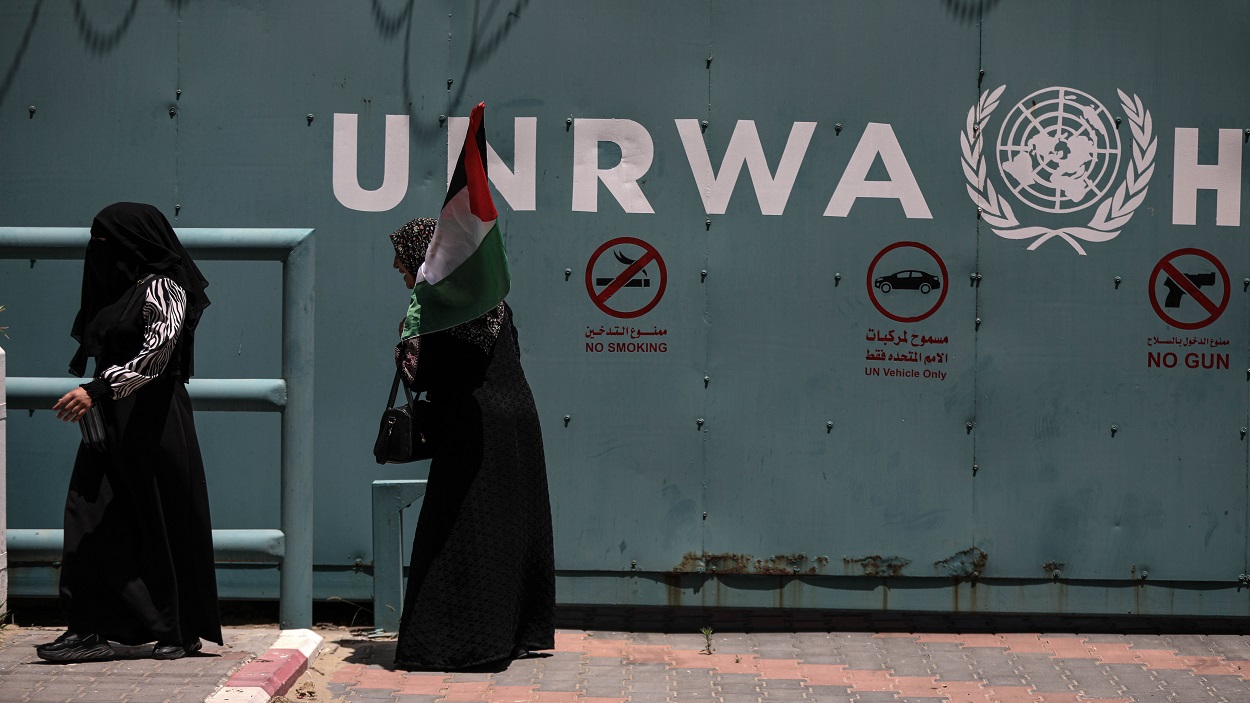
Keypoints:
pixel 272 673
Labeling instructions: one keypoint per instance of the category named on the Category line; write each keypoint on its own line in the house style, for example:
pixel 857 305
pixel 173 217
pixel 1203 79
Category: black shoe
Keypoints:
pixel 71 647
pixel 175 651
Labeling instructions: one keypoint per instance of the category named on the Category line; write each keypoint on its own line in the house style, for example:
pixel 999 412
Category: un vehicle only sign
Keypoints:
pixel 907 282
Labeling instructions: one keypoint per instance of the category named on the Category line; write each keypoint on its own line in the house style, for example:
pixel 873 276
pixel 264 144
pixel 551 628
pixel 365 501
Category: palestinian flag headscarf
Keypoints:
pixel 464 269
pixel 412 242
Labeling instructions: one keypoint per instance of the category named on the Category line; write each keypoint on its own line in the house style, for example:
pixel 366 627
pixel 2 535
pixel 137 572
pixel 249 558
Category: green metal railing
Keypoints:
pixel 291 395
pixel 390 498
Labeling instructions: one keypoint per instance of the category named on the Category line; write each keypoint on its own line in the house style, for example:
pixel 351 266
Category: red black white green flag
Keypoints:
pixel 465 273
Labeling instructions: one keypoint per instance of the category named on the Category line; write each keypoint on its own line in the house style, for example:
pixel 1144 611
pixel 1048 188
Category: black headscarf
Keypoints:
pixel 130 241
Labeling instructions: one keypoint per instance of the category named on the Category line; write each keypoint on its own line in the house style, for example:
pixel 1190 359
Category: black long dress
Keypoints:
pixel 138 563
pixel 482 578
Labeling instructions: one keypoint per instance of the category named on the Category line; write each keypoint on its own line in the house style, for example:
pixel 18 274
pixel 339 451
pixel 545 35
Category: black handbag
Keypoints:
pixel 404 432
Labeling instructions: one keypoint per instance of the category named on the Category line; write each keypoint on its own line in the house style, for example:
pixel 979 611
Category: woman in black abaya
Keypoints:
pixel 138 563
pixel 481 584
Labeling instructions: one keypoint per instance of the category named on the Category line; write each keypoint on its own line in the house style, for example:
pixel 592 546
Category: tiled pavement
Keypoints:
pixel 131 678
pixel 826 667
pixel 828 660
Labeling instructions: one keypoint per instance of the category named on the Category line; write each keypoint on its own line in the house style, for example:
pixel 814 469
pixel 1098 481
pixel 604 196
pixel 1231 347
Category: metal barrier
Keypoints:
pixel 291 395
pixel 4 545
pixel 390 498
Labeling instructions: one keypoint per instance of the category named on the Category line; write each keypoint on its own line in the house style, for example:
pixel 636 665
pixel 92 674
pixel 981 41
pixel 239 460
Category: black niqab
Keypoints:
pixel 128 242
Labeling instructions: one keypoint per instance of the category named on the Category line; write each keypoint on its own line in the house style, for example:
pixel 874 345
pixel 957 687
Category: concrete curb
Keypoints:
pixel 272 673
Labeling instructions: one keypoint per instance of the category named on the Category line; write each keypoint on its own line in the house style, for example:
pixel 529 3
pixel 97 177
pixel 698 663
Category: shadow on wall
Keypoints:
pixel 99 35
pixel 482 45
pixel 11 73
pixel 969 11
pixel 102 36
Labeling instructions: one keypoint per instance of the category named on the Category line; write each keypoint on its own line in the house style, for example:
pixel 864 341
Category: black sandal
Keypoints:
pixel 71 647
pixel 176 651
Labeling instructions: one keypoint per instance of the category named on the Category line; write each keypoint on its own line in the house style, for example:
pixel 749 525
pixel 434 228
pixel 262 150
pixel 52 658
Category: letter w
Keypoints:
pixel 772 192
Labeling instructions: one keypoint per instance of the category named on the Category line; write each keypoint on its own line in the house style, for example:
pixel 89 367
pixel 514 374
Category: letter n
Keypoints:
pixel 518 185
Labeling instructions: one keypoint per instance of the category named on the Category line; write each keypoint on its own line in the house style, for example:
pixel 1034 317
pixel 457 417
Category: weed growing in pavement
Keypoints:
pixel 359 608
pixel 707 638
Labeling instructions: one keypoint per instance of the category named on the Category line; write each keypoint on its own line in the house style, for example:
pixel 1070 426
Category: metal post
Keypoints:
pixel 389 500
pixel 4 547
pixel 295 610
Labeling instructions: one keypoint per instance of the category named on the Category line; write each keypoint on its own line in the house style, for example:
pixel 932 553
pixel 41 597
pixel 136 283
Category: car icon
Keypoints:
pixel 907 280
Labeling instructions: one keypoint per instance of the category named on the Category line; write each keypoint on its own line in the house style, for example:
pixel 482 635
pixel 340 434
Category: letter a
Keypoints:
pixel 878 140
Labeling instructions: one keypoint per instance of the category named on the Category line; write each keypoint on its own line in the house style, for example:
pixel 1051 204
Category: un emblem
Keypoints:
pixel 1059 151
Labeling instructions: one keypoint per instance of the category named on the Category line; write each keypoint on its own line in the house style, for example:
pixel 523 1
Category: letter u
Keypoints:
pixel 394 171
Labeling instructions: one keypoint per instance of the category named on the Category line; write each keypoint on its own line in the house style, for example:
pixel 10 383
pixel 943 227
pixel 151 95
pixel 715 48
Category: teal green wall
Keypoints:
pixel 802 459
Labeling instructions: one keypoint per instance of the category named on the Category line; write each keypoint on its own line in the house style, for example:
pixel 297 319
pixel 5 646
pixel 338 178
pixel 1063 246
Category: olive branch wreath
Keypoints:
pixel 1113 214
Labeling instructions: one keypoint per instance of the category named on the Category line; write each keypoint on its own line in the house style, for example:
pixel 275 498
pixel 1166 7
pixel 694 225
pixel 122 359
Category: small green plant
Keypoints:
pixel 4 330
pixel 707 640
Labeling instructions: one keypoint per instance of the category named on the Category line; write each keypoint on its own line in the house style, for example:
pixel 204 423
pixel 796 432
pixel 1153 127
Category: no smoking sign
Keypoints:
pixel 626 277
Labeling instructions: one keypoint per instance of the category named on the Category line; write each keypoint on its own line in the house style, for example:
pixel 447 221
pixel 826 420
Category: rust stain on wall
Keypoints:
pixel 784 565
pixel 876 565
pixel 970 563
pixel 734 563
pixel 723 563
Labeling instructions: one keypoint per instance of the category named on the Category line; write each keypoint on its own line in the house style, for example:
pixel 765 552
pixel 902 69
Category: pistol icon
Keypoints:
pixel 1175 292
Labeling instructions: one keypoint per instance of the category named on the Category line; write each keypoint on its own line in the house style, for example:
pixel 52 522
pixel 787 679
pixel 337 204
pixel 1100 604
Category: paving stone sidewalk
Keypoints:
pixel 602 666
pixel 24 678
pixel 824 667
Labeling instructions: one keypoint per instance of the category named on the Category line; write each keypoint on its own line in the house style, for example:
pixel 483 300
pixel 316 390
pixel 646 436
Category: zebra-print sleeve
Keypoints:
pixel 163 311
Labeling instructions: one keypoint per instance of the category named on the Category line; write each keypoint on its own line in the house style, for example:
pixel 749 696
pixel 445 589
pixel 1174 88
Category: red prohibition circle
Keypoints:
pixel 600 299
pixel 941 297
pixel 1166 263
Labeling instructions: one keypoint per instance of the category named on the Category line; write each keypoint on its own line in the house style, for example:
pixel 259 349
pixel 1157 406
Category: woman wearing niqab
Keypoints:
pixel 138 563
pixel 481 582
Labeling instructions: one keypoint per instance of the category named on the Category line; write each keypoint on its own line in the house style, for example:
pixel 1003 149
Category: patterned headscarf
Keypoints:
pixel 411 243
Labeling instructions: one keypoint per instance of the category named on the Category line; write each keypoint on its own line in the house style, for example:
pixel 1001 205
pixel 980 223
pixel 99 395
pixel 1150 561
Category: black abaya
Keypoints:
pixel 481 584
pixel 138 563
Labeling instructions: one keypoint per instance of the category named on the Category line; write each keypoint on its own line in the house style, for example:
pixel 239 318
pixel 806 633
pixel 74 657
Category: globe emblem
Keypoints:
pixel 1058 150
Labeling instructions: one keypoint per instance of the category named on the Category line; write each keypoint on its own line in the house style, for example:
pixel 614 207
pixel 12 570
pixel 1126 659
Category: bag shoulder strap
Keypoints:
pixel 390 403
pixel 139 292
